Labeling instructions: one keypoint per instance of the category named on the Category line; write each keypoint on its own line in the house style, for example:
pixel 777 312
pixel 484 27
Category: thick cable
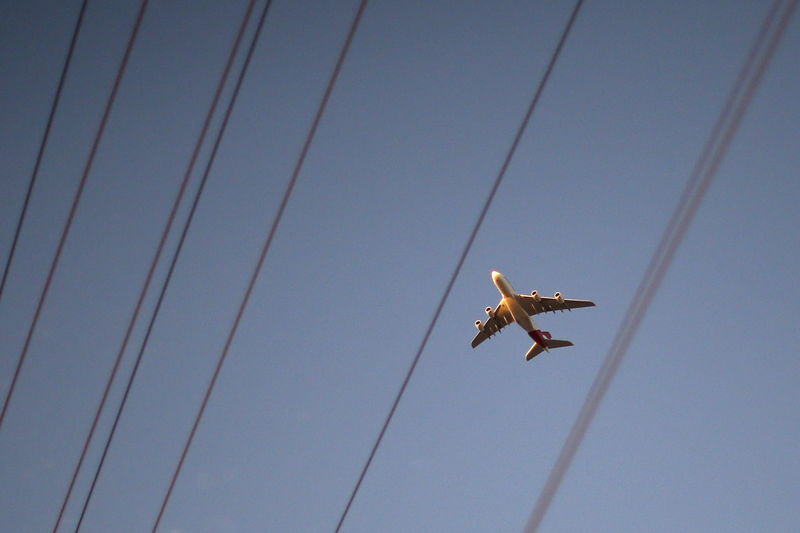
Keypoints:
pixel 74 207
pixel 154 262
pixel 697 185
pixel 264 250
pixel 473 234
pixel 42 146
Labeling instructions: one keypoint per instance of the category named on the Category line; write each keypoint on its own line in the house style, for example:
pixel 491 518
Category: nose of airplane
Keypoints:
pixel 495 275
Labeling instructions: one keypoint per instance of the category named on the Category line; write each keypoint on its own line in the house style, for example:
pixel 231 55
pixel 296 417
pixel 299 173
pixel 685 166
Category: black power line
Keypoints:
pixel 706 167
pixel 42 146
pixel 264 250
pixel 73 209
pixel 174 260
pixel 154 263
pixel 492 192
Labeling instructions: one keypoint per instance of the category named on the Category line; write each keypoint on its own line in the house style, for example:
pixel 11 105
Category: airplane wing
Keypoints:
pixel 546 304
pixel 502 317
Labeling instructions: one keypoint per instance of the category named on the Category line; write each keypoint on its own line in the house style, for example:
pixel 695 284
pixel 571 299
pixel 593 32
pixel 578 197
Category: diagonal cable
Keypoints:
pixel 493 191
pixel 73 209
pixel 264 250
pixel 173 262
pixel 42 146
pixel 702 175
pixel 154 261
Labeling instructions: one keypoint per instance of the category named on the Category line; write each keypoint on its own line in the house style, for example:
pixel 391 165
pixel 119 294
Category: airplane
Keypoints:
pixel 519 308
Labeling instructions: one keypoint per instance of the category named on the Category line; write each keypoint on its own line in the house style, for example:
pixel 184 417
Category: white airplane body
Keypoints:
pixel 519 308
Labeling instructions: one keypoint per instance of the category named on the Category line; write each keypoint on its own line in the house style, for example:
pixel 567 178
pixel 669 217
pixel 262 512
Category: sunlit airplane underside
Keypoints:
pixel 519 308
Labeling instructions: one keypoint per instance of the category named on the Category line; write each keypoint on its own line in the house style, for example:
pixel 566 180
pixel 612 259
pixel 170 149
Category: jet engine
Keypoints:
pixel 479 325
pixel 489 312
pixel 535 296
pixel 558 297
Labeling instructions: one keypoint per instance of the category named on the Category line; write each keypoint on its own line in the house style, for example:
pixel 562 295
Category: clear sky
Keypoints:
pixel 700 430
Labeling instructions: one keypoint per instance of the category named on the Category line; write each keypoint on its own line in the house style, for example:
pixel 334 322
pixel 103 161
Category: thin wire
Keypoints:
pixel 264 250
pixel 495 186
pixel 174 260
pixel 42 146
pixel 73 209
pixel 698 184
pixel 154 262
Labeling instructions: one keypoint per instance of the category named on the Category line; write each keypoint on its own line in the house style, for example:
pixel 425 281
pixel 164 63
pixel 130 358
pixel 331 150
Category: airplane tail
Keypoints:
pixel 536 349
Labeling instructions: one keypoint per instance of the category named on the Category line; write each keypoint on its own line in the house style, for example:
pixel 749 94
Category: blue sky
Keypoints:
pixel 700 430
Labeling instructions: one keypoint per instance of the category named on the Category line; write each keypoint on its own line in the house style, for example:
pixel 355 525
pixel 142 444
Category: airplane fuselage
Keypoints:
pixel 511 302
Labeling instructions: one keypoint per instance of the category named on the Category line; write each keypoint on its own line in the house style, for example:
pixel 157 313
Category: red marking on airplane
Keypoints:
pixel 540 337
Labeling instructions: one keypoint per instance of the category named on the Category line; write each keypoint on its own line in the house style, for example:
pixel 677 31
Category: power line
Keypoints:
pixel 699 181
pixel 492 192
pixel 154 262
pixel 264 250
pixel 174 260
pixel 42 146
pixel 73 209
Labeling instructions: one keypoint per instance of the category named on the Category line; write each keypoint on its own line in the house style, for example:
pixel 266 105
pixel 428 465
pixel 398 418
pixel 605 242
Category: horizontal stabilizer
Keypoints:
pixel 552 343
